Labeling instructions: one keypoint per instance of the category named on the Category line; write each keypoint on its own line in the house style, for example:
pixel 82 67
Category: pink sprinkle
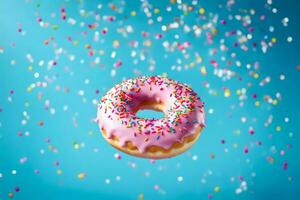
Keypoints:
pixel 118 63
pixel 210 196
pixel 118 156
pixel 246 149
pixel 223 21
pixel 91 53
pixel 17 189
pixel 251 29
pixel 285 165
pixel 104 31
pixel 111 18
pixel 152 161
pixel 158 36
pixel 23 160
pixel 251 131
pixel 156 187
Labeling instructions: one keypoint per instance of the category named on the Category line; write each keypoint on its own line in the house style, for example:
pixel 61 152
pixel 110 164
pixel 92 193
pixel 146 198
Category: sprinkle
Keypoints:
pixel 179 178
pixel 81 176
pixel 118 156
pixel 217 189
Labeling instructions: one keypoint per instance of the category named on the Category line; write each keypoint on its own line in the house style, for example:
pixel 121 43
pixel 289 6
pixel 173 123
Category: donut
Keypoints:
pixel 165 137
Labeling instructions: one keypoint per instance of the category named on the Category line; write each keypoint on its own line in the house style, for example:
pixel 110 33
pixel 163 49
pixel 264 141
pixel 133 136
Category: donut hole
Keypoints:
pixel 150 110
pixel 150 113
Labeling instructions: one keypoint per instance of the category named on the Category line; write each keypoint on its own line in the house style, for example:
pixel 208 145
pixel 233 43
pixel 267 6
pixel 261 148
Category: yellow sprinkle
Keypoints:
pixel 55 27
pixel 214 31
pixel 59 171
pixel 227 93
pixel 199 59
pixel 165 74
pixel 238 92
pixel 278 128
pixel 202 11
pixel 274 40
pixel 116 43
pixel 275 102
pixel 257 103
pixel 29 89
pixel 147 43
pixel 217 189
pixel 156 10
pixel 76 146
pixel 192 64
pixel 203 70
pixel 75 42
pixel 81 176
pixel 133 13
pixel 256 75
pixel 30 68
pixel 141 196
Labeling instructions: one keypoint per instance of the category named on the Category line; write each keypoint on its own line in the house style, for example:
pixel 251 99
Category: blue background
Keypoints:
pixel 69 140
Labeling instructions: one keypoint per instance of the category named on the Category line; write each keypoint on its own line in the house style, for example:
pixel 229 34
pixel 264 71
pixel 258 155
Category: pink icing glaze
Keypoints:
pixel 184 112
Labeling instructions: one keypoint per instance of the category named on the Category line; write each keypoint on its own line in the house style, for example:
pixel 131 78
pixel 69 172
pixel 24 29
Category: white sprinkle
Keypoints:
pixel 179 178
pixel 238 190
pixel 286 119
pixel 36 75
pixel 113 73
pixel 71 21
pixel 81 92
pixel 118 178
pixel 107 181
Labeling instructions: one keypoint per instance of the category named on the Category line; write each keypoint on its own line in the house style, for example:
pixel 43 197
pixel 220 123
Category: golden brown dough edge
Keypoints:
pixel 154 152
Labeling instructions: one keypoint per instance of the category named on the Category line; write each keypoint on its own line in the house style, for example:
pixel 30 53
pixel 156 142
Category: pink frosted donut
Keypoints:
pixel 151 138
